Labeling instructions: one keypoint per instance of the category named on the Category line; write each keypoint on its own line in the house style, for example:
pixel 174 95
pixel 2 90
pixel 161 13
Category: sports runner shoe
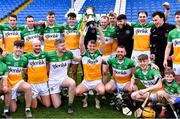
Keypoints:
pixel 28 114
pixel 70 110
pixel 85 104
pixel 97 103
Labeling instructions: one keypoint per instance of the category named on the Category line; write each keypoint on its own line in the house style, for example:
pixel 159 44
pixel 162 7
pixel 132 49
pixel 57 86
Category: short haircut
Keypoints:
pixel 160 14
pixel 105 17
pixel 122 17
pixel 13 15
pixel 169 71
pixel 177 13
pixel 142 57
pixel 19 43
pixel 71 14
pixel 29 16
pixel 58 41
pixel 51 13
pixel 121 46
pixel 112 14
pixel 143 11
pixel 92 42
pixel 1 50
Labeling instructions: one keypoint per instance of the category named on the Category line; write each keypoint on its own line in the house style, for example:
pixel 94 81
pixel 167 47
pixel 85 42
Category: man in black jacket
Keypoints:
pixel 159 33
pixel 125 34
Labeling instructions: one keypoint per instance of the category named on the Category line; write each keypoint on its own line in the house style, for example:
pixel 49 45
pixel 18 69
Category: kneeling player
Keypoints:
pixel 4 90
pixel 149 77
pixel 92 62
pixel 171 90
pixel 58 77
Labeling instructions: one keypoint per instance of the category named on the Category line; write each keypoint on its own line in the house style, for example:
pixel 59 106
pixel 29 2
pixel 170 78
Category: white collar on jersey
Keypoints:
pixel 15 57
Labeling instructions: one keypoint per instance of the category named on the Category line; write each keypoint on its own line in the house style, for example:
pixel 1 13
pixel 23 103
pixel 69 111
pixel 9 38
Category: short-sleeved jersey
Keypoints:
pixel 37 71
pixel 172 88
pixel 174 37
pixel 3 70
pixel 1 40
pixel 50 33
pixel 28 35
pixel 92 65
pixel 58 65
pixel 10 35
pixel 15 68
pixel 72 36
pixel 109 34
pixel 122 71
pixel 142 36
pixel 148 78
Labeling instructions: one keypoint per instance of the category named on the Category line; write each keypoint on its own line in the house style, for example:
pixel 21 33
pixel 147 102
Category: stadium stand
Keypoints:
pixel 39 9
pixel 133 6
pixel 8 6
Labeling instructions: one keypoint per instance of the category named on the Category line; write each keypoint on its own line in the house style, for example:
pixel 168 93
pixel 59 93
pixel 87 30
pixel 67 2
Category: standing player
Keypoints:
pixel 109 35
pixel 11 33
pixel 71 36
pixel 30 33
pixel 37 74
pixel 142 33
pixel 4 90
pixel 58 77
pixel 92 62
pixel 174 38
pixel 51 32
pixel 149 77
pixel 16 64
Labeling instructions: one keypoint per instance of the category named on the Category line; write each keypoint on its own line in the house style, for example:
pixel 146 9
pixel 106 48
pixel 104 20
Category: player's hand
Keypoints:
pixel 5 89
pixel 142 92
pixel 4 53
pixel 165 63
pixel 154 66
pixel 166 5
pixel 40 22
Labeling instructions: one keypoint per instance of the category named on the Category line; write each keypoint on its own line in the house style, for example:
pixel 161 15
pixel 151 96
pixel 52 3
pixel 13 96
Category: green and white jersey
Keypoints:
pixel 122 71
pixel 172 88
pixel 50 33
pixel 148 78
pixel 110 33
pixel 72 36
pixel 58 65
pixel 10 35
pixel 15 68
pixel 142 35
pixel 92 65
pixel 28 35
pixel 174 37
pixel 3 70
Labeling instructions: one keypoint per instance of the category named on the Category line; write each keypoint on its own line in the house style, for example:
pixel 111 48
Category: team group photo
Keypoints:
pixel 90 59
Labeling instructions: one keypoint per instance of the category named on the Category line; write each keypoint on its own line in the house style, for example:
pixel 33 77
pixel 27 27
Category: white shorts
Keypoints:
pixel 40 89
pixel 90 85
pixel 176 68
pixel 121 85
pixel 76 53
pixel 154 97
pixel 14 90
pixel 55 86
pixel 136 53
pixel 106 58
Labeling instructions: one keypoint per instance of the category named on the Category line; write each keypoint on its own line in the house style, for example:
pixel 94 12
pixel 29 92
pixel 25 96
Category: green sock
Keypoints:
pixel 70 104
pixel 6 109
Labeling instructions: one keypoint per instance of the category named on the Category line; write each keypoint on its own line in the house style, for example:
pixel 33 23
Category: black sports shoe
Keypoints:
pixel 6 115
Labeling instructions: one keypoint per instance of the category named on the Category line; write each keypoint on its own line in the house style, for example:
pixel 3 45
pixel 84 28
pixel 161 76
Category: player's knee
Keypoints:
pixel 47 104
pixel 107 88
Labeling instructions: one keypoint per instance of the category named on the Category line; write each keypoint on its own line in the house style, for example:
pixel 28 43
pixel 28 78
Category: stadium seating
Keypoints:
pixel 7 6
pixel 133 6
pixel 101 6
pixel 39 9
